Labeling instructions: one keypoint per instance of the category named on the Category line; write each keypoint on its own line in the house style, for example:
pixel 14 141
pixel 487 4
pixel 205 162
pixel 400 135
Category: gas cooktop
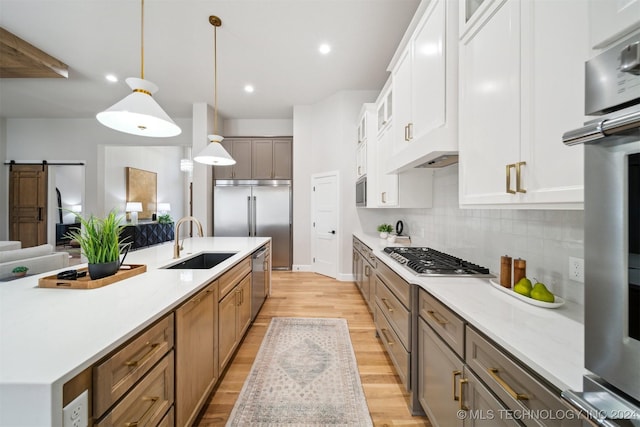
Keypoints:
pixel 429 262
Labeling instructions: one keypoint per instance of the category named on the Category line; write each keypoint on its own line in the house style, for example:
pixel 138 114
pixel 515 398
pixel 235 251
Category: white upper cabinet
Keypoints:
pixel 385 108
pixel 611 20
pixel 361 150
pixel 411 189
pixel 521 87
pixel 361 160
pixel 362 128
pixel 424 76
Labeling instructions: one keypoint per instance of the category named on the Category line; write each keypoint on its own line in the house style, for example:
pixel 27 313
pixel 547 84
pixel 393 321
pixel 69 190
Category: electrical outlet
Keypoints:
pixel 576 269
pixel 76 413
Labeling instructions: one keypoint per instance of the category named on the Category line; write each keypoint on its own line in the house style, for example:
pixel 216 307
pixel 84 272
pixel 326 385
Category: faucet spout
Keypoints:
pixel 176 244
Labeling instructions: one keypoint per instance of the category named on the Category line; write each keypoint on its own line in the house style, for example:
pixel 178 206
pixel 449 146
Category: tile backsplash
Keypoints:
pixel 544 238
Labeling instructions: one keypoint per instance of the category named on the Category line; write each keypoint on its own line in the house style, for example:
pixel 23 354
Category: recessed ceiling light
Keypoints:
pixel 112 78
pixel 324 48
pixel 248 89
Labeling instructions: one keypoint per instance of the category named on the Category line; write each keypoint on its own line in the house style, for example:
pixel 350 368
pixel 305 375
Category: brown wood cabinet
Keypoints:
pixel 196 353
pixel 234 317
pixel 148 401
pixel 393 319
pixel 258 158
pixel 115 376
pixel 271 159
pixel 240 150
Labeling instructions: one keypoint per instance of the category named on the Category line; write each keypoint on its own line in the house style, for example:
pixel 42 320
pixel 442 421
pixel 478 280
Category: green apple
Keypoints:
pixel 541 293
pixel 523 287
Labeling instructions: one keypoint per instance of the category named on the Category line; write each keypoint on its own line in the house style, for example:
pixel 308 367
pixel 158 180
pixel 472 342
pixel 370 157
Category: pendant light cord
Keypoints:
pixel 215 81
pixel 142 39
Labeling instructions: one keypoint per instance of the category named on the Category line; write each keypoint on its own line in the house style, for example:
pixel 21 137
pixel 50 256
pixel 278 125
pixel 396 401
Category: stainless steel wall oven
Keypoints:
pixel 612 235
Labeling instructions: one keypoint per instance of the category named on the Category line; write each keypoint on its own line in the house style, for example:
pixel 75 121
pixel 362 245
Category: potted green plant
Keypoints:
pixel 165 219
pixel 384 230
pixel 20 271
pixel 99 240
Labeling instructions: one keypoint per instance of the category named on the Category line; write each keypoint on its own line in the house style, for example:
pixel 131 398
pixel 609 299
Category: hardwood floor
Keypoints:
pixel 297 294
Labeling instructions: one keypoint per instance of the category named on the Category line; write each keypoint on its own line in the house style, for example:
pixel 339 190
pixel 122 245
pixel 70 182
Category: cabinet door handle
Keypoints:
pixel 519 188
pixel 145 356
pixel 386 337
pixel 389 308
pixel 153 400
pixel 406 133
pixel 367 271
pixel 455 374
pixel 509 190
pixel 435 317
pixel 359 169
pixel 410 127
pixel 461 383
pixel 517 396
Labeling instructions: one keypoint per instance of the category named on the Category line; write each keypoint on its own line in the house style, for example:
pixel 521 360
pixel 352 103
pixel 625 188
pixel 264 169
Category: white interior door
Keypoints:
pixel 325 224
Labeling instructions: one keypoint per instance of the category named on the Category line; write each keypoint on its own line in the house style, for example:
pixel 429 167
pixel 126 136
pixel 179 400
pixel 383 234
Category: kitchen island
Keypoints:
pixel 48 336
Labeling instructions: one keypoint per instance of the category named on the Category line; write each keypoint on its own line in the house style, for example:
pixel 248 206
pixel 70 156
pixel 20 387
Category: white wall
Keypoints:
pixel 324 140
pixel 302 145
pixel 258 127
pixel 4 182
pixel 544 238
pixel 79 140
pixel 164 161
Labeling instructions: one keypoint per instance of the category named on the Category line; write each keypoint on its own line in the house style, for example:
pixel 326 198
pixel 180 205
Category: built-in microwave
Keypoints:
pixel 361 192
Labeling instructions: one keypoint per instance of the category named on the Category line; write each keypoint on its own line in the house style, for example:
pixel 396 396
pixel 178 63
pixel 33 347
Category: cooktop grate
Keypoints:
pixel 430 262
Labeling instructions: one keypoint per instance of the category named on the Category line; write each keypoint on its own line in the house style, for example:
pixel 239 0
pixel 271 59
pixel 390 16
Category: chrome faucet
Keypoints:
pixel 177 245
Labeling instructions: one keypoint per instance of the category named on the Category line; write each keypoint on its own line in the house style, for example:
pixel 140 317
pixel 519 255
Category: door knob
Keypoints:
pixel 333 232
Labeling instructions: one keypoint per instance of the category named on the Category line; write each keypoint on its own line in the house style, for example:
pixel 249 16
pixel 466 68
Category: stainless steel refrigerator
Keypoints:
pixel 256 208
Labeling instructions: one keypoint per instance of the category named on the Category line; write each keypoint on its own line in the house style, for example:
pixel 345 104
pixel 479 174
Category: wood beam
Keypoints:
pixel 20 59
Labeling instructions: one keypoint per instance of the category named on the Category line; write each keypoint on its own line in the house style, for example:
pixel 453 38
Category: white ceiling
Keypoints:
pixel 272 44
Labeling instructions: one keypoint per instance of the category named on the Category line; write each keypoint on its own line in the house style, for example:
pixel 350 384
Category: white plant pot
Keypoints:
pixel 384 235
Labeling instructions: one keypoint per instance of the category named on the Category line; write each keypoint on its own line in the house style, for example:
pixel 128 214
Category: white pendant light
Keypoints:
pixel 138 113
pixel 214 153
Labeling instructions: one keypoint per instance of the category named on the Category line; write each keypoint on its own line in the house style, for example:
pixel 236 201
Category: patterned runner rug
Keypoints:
pixel 305 374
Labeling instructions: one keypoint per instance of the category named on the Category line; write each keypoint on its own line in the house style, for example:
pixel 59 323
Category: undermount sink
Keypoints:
pixel 202 261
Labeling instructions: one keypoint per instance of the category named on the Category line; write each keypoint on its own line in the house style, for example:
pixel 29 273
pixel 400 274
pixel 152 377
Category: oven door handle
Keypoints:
pixel 597 415
pixel 602 129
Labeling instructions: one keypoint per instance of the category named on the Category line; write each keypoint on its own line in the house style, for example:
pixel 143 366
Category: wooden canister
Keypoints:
pixel 519 270
pixel 505 271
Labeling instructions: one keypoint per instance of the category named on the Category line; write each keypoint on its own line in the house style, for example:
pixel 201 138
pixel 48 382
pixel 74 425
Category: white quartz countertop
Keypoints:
pixel 47 336
pixel 548 341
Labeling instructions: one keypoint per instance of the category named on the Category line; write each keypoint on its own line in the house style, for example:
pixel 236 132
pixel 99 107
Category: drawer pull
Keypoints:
pixel 145 356
pixel 433 315
pixel 517 396
pixel 461 383
pixel 197 300
pixel 455 374
pixel 387 306
pixel 153 400
pixel 386 337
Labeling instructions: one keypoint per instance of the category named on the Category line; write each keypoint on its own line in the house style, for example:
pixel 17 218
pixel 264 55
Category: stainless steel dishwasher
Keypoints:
pixel 259 271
